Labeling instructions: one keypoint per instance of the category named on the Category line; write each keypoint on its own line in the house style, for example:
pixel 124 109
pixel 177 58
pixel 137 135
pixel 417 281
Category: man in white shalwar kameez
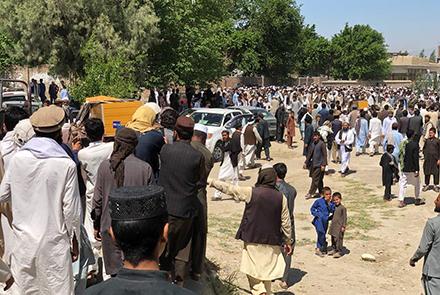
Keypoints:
pixel 91 158
pixel 249 139
pixel 374 134
pixel 265 225
pixel 42 184
pixel 345 140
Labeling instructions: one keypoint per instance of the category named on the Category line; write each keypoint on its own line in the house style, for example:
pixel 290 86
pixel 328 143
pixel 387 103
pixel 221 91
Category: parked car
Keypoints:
pixel 267 116
pixel 215 120
pixel 188 112
pixel 19 99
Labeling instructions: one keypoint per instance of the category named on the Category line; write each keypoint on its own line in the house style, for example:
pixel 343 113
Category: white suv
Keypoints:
pixel 215 120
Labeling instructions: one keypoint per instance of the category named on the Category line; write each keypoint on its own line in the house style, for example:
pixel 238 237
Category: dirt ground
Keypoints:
pixel 375 227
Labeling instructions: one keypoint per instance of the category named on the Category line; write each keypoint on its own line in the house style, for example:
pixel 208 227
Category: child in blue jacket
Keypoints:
pixel 322 210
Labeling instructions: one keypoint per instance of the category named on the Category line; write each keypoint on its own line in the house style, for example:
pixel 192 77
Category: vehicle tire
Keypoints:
pixel 217 153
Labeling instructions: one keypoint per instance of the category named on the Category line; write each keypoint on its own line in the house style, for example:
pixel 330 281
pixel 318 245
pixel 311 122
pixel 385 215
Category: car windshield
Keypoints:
pixel 207 119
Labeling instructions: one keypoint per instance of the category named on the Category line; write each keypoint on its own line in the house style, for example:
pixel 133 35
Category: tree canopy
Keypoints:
pixel 360 52
pixel 7 51
pixel 187 42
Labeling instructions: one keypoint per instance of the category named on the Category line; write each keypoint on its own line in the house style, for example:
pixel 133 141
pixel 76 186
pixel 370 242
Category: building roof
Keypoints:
pixel 409 60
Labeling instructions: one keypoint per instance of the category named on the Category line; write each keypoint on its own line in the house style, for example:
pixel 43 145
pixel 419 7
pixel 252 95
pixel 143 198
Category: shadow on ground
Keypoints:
pixel 294 276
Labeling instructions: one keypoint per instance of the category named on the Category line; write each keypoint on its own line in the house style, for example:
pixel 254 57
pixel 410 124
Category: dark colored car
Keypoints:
pixel 266 116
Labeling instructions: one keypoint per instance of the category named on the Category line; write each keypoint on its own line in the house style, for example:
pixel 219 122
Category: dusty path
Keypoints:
pixel 375 227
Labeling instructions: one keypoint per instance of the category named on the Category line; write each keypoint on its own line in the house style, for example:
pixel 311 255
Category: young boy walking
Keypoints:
pixel 321 210
pixel 338 226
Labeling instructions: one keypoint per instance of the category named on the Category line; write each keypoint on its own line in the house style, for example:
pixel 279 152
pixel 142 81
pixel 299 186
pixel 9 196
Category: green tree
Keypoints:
pixel 360 52
pixel 243 52
pixel 422 54
pixel 316 53
pixel 108 70
pixel 54 32
pixel 7 58
pixel 432 57
pixel 193 36
pixel 279 24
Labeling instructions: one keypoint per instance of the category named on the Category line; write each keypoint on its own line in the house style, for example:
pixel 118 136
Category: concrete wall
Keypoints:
pixel 40 72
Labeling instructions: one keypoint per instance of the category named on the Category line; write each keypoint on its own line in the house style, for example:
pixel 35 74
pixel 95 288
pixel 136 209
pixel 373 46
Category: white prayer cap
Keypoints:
pixel 154 106
pixel 23 132
pixel 201 128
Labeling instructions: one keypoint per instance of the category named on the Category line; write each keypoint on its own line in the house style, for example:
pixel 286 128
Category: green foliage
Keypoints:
pixel 7 58
pixel 279 24
pixel 107 67
pixel 242 52
pixel 185 42
pixel 316 53
pixel 55 31
pixel 432 57
pixel 193 37
pixel 422 54
pixel 359 53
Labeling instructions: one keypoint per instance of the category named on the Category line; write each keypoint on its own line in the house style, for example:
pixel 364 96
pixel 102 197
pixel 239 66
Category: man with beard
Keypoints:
pixel 46 209
pixel 121 169
pixel 280 115
pixel 316 161
pixel 182 168
pixel 429 248
pixel 409 165
pixel 265 224
pixel 345 140
pixel 263 130
pixel 431 152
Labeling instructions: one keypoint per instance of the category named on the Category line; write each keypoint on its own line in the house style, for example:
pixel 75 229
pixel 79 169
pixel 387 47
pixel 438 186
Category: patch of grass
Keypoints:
pixel 357 235
pixel 223 226
pixel 360 200
pixel 221 286
pixel 224 286
pixel 304 242
pixel 362 220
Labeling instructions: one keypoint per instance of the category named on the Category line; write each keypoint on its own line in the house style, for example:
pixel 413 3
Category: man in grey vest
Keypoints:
pixel 429 248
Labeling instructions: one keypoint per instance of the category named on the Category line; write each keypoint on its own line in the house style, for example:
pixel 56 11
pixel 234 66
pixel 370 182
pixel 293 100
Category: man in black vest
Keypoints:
pixel 265 226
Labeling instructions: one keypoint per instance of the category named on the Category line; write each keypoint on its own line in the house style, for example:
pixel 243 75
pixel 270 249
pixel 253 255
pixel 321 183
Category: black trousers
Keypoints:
pixel 179 234
pixel 259 149
pixel 198 247
pixel 317 180
pixel 387 194
pixel 280 132
pixel 428 177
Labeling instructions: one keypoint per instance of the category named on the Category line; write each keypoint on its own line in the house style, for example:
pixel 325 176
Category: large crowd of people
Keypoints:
pixel 139 203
